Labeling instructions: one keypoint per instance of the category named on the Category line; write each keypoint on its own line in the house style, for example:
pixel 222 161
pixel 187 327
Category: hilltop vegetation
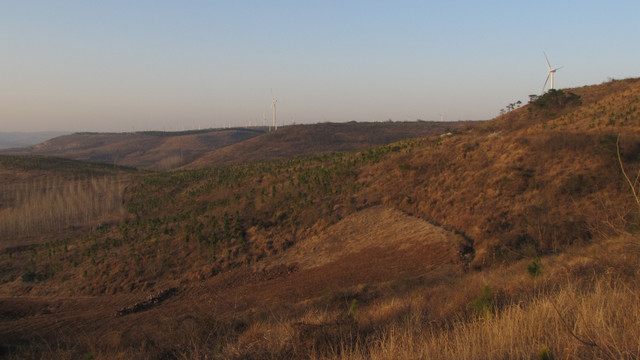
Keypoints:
pixel 513 238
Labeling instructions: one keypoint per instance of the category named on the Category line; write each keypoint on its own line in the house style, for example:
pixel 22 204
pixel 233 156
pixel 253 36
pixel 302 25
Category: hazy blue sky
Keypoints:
pixel 123 65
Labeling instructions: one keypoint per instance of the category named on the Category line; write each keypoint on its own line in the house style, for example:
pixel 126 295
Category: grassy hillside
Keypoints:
pixel 515 238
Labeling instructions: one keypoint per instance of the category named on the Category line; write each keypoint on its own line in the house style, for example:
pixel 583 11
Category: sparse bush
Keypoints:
pixel 543 354
pixel 483 304
pixel 534 268
pixel 354 306
pixel 404 166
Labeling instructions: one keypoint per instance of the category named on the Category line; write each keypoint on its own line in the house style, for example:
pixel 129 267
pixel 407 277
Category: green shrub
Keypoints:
pixel 353 308
pixel 483 304
pixel 543 354
pixel 535 267
pixel 405 166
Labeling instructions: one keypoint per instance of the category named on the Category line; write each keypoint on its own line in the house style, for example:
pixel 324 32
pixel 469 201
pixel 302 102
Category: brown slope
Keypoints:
pixel 378 228
pixel 552 180
pixel 146 150
pixel 304 140
pixel 373 247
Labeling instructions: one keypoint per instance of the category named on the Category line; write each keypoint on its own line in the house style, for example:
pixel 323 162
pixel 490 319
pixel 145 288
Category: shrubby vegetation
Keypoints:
pixel 555 99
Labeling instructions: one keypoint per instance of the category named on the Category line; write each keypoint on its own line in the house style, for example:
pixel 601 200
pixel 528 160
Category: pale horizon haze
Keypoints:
pixel 118 65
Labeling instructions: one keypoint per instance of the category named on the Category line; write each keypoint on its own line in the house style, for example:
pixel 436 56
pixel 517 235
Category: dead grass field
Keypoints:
pixel 54 203
pixel 376 227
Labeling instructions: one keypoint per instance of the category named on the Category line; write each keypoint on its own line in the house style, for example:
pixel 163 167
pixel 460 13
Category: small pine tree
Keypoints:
pixel 353 308
pixel 483 304
pixel 543 353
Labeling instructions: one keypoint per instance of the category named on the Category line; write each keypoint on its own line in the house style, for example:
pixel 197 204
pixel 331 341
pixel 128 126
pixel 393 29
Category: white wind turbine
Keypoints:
pixel 550 74
pixel 273 105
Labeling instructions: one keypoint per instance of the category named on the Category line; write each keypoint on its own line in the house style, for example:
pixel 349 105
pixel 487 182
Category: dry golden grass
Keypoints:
pixel 377 226
pixel 53 203
pixel 574 323
pixel 585 306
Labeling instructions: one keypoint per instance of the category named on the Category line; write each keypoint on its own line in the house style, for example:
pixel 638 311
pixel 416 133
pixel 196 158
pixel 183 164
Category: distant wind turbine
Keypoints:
pixel 273 104
pixel 550 74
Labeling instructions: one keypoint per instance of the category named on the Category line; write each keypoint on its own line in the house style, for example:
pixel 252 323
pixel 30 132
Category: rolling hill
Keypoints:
pixel 205 148
pixel 512 238
pixel 315 139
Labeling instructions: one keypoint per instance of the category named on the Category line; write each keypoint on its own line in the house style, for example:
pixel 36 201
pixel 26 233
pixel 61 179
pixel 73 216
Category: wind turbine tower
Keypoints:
pixel 273 105
pixel 550 74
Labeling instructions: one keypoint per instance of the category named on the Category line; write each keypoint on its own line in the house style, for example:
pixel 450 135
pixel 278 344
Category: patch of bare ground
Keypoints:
pixel 381 228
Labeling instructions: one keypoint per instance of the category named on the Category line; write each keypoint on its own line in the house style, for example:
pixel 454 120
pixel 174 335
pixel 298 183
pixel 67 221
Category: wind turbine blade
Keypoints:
pixel 545 82
pixel 546 58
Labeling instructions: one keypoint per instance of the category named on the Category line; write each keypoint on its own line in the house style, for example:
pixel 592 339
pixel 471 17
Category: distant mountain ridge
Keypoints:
pixel 146 150
pixel 156 150
pixel 21 139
